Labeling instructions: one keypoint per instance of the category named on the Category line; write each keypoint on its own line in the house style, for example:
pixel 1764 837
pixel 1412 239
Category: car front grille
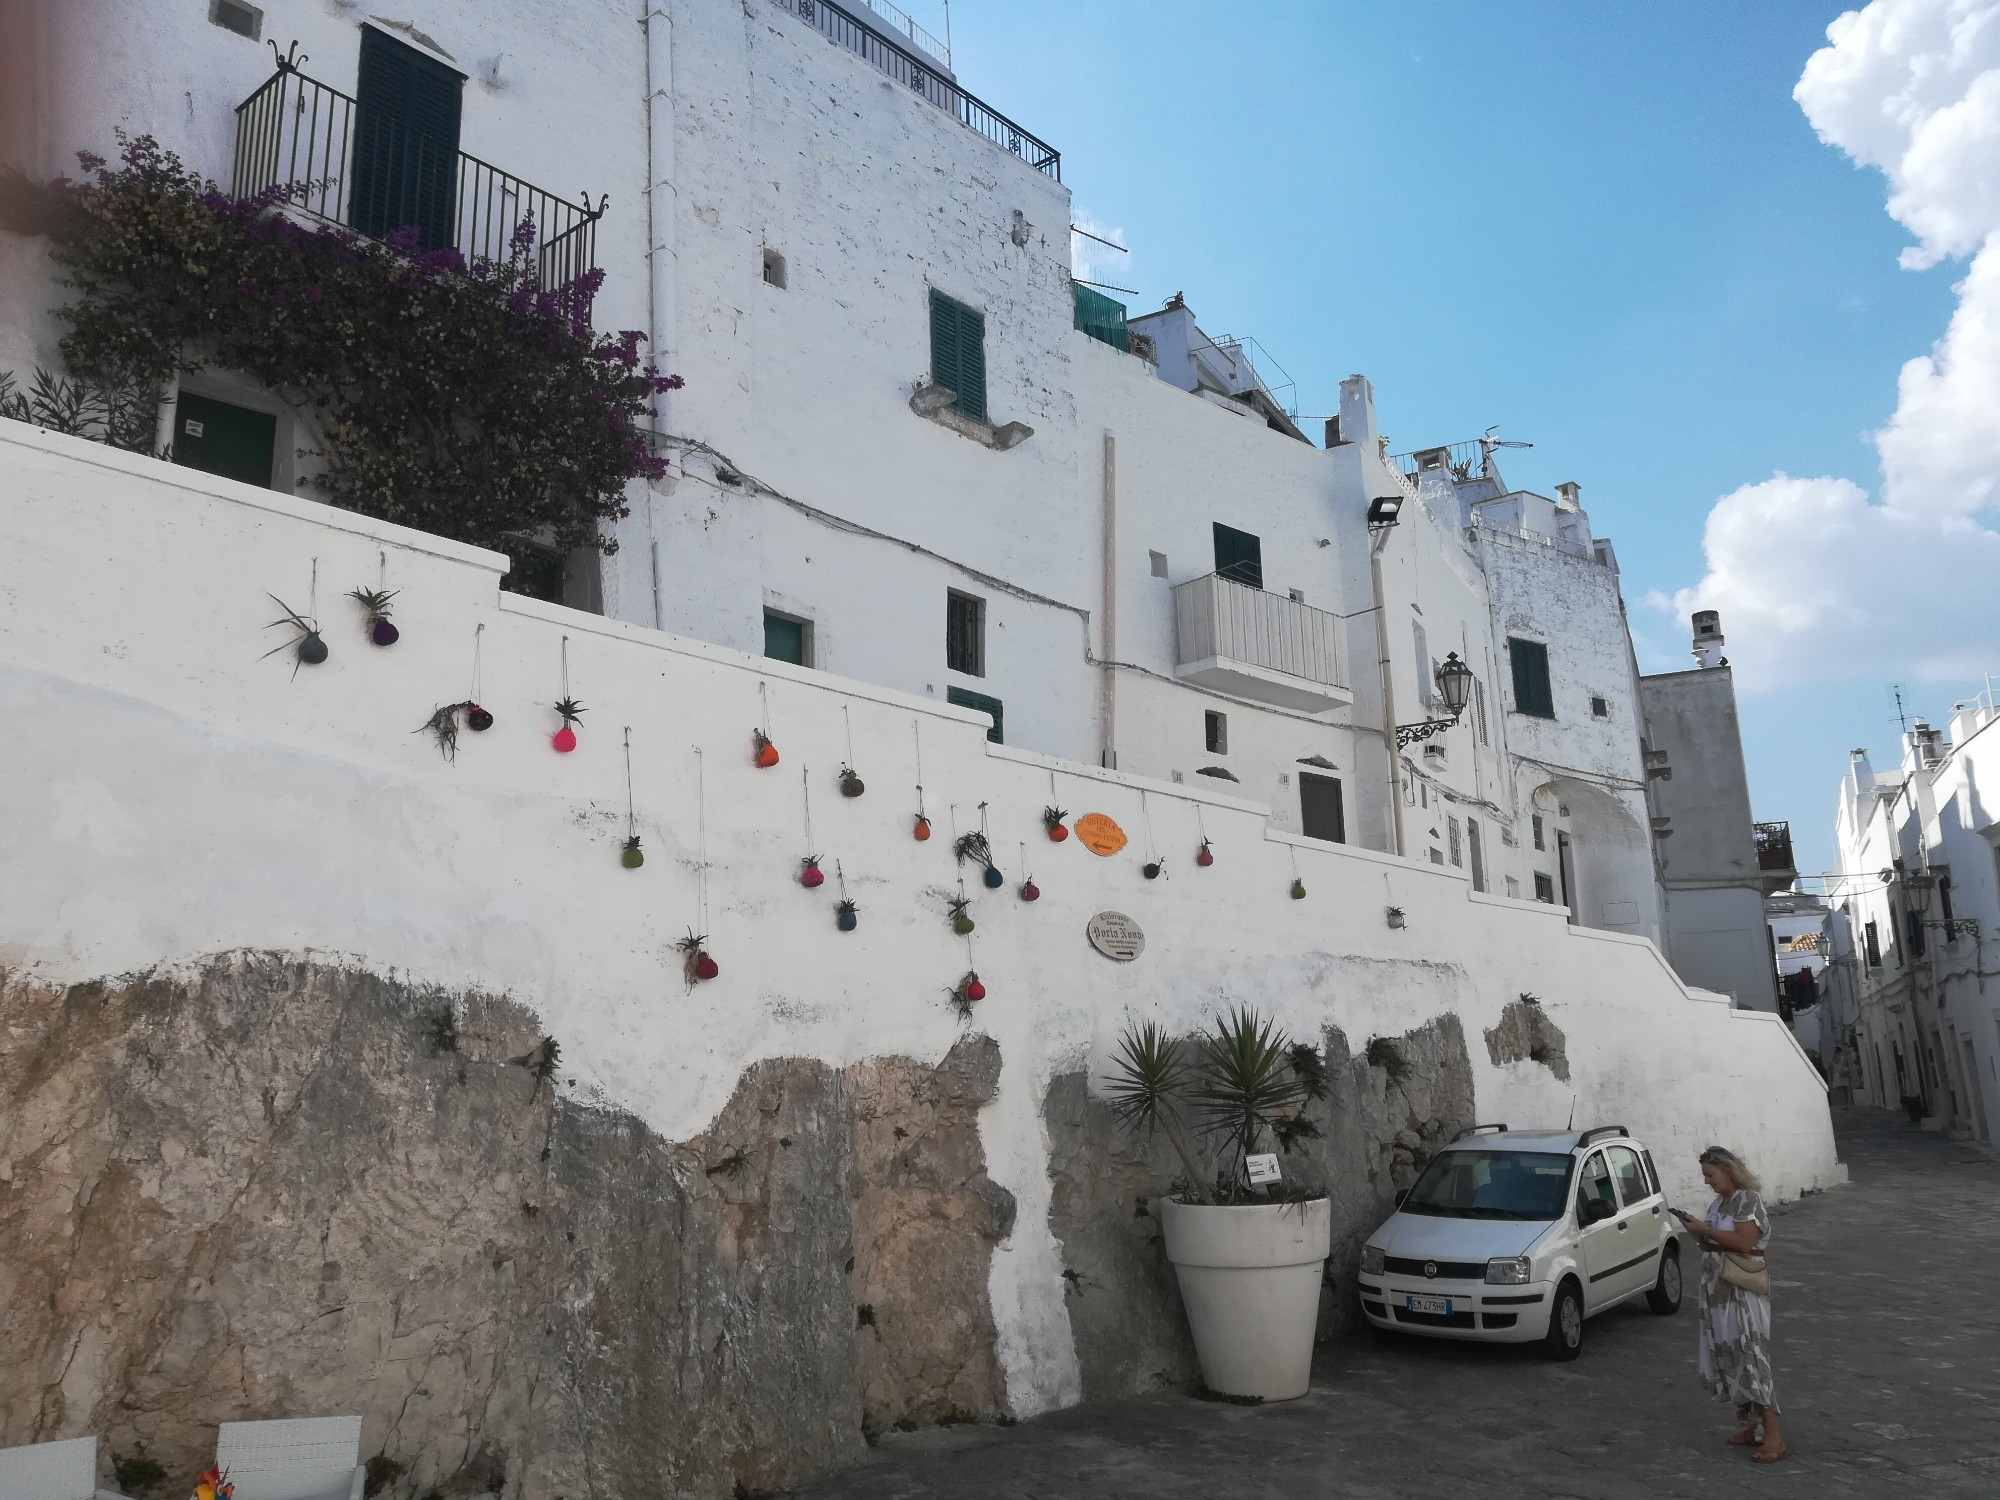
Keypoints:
pixel 1443 1270
pixel 1434 1320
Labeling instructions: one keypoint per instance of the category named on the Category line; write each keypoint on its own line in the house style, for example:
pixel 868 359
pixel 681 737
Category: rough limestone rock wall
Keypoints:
pixel 1380 1122
pixel 273 1188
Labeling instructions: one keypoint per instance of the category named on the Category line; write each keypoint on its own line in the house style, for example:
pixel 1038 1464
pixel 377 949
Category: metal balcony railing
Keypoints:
pixel 297 133
pixel 845 29
pixel 1235 637
pixel 1774 846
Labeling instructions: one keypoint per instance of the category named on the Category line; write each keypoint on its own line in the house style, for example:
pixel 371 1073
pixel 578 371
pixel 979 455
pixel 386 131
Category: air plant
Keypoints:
pixel 571 713
pixel 1052 820
pixel 961 923
pixel 695 959
pixel 381 629
pixel 973 846
pixel 632 856
pixel 811 876
pixel 846 915
pixel 763 751
pixel 443 723
pixel 1204 856
pixel 541 1060
pixel 965 994
pixel 850 784
pixel 306 645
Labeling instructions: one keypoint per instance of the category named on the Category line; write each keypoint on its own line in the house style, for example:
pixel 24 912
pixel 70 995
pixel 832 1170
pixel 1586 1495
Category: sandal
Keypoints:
pixel 1747 1438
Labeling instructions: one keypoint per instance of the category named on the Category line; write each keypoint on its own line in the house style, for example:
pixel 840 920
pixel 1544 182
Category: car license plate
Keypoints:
pixel 1439 1305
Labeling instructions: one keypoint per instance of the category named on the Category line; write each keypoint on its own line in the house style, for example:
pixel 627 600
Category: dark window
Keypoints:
pixel 536 571
pixel 1426 674
pixel 1599 708
pixel 774 269
pixel 1913 925
pixel 1475 846
pixel 1320 813
pixel 960 698
pixel 1239 556
pixel 958 353
pixel 1454 842
pixel 1157 561
pixel 218 438
pixel 1532 695
pixel 1535 822
pixel 1545 888
pixel 787 639
pixel 1594 1182
pixel 965 633
pixel 1872 941
pixel 1944 901
pixel 234 15
pixel 1215 732
pixel 405 170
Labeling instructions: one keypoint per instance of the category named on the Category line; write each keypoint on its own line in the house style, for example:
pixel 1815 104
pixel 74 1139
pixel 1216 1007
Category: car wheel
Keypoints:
pixel 1665 1297
pixel 1565 1336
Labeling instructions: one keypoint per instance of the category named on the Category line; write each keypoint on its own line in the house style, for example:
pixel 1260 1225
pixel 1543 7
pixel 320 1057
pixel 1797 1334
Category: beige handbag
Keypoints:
pixel 1747 1272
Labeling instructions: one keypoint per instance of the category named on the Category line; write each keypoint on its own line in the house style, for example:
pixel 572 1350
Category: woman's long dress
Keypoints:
pixel 1735 1324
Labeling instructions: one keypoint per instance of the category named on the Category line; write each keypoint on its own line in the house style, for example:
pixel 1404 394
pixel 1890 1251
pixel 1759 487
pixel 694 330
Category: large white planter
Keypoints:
pixel 1250 1279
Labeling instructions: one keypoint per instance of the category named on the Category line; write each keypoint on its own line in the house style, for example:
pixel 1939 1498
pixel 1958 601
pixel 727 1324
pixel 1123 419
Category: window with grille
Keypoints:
pixel 958 353
pixel 1872 940
pixel 965 633
pixel 1532 692
pixel 1454 840
pixel 1545 888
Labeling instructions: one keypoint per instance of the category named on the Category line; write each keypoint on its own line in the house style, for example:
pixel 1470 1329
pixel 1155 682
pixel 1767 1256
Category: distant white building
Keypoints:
pixel 1920 891
pixel 912 450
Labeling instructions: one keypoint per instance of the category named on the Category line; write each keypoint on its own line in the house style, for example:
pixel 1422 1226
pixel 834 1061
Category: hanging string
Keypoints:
pixel 764 696
pixel 631 813
pixel 382 569
pixel 312 600
pixel 701 838
pixel 850 735
pixel 477 631
pixel 565 666
pixel 840 879
pixel 1200 823
pixel 917 729
pixel 805 790
pixel 1146 817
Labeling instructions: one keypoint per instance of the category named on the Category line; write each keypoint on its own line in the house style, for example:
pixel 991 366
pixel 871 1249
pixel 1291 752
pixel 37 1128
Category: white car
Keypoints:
pixel 1515 1236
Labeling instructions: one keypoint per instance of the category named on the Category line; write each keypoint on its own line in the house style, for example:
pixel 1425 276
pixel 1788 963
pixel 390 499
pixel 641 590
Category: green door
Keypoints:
pixel 218 438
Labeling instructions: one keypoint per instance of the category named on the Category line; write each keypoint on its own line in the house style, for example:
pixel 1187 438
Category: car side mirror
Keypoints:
pixel 1596 1211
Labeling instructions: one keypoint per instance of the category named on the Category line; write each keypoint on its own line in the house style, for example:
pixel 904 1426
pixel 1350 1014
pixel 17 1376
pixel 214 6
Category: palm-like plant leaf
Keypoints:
pixel 1147 1073
pixel 1246 1083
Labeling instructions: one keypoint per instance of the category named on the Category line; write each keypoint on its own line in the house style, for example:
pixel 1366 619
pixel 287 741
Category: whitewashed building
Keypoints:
pixel 1919 890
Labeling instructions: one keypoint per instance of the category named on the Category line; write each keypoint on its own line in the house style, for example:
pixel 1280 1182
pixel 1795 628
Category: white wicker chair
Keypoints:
pixel 52 1471
pixel 301 1458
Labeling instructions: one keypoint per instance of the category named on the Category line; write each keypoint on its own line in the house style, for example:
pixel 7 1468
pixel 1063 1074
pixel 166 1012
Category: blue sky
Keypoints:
pixel 1607 228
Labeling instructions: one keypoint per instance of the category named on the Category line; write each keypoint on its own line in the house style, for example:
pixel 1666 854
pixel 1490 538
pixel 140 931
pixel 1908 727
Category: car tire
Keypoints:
pixel 1564 1339
pixel 1665 1297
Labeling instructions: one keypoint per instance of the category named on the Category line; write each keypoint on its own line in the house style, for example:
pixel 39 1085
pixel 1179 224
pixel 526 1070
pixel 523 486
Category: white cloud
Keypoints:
pixel 1815 581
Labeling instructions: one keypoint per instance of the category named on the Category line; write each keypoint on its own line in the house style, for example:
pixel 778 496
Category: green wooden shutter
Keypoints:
pixel 1532 692
pixel 405 172
pixel 958 353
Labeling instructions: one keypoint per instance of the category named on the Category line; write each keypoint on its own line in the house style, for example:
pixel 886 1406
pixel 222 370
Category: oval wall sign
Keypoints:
pixel 1116 936
pixel 1099 834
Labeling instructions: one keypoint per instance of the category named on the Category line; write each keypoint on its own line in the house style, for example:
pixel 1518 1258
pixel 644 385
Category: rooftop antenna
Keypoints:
pixel 1902 716
pixel 1487 443
pixel 1572 1113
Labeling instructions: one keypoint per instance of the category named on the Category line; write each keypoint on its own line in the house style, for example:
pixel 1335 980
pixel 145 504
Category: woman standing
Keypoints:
pixel 1734 1300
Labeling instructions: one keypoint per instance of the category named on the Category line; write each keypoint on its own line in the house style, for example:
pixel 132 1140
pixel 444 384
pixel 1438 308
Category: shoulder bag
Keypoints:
pixel 1747 1272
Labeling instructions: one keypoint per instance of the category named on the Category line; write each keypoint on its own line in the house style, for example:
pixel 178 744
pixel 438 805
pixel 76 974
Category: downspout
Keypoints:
pixel 1108 633
pixel 1389 746
pixel 661 261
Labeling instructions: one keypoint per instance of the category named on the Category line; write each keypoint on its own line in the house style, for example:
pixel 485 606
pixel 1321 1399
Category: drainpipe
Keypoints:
pixel 1389 746
pixel 1108 684
pixel 661 258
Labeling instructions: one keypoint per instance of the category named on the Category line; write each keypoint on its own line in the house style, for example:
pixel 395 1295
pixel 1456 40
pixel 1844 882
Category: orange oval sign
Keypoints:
pixel 1099 834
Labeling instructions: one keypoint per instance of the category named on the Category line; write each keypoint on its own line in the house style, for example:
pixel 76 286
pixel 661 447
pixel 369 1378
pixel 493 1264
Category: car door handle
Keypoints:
pixel 1621 1226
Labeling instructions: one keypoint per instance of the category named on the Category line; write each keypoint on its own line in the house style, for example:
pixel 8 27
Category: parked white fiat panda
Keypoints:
pixel 1517 1236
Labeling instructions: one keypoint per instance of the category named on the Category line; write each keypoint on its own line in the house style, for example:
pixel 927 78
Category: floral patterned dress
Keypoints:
pixel 1735 1324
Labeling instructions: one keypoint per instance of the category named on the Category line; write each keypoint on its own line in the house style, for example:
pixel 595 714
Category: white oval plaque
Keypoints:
pixel 1116 936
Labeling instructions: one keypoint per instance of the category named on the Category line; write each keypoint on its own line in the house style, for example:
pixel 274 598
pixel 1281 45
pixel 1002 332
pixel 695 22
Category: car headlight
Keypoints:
pixel 1510 1271
pixel 1371 1260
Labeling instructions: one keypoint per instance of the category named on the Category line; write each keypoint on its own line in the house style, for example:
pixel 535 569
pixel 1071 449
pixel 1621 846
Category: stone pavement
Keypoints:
pixel 1887 1339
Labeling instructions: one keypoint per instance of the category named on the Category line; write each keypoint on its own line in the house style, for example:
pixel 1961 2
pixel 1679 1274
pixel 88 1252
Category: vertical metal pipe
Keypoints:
pixel 1108 629
pixel 1389 746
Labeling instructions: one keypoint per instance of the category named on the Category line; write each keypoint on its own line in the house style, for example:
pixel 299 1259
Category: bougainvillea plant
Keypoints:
pixel 462 398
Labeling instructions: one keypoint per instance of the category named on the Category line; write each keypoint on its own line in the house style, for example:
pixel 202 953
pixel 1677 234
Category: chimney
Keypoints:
pixel 1708 639
pixel 1567 494
pixel 1357 411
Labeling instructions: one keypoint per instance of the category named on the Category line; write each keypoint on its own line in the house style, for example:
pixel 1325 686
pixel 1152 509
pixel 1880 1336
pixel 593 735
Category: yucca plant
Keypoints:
pixel 1240 1083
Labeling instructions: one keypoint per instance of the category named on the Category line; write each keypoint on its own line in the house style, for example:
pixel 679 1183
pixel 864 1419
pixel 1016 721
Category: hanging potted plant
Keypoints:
pixel 1248 1259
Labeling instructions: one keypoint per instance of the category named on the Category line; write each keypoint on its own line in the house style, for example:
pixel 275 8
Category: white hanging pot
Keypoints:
pixel 1250 1279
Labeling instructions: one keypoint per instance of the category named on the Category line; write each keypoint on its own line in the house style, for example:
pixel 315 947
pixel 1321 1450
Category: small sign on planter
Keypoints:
pixel 1116 936
pixel 1263 1168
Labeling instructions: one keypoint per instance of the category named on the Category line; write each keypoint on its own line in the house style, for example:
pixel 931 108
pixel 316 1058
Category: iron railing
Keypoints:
pixel 1216 617
pixel 844 29
pixel 900 19
pixel 1465 459
pixel 377 177
pixel 1774 845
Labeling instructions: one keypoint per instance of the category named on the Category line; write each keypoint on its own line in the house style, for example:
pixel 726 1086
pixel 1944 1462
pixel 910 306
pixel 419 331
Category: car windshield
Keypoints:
pixel 1492 1185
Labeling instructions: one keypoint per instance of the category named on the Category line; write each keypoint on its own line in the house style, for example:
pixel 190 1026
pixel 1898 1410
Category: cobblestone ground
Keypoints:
pixel 1887 1339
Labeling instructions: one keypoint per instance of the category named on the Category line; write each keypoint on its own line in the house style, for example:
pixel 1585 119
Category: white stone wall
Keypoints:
pixel 172 793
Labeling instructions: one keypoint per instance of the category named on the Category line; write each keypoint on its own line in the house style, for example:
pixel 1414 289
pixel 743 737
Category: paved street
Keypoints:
pixel 1887 1343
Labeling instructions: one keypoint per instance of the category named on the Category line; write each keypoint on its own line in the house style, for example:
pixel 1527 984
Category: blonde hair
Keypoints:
pixel 1730 1162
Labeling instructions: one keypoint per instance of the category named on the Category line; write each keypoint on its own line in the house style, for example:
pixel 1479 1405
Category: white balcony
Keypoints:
pixel 1250 644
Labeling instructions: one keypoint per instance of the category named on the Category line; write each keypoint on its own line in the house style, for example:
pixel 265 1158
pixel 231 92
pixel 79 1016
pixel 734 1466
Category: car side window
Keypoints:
pixel 1594 1181
pixel 1631 1174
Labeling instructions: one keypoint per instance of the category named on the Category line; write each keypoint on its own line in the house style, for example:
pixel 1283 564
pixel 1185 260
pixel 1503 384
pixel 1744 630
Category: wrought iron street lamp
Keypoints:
pixel 1454 687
